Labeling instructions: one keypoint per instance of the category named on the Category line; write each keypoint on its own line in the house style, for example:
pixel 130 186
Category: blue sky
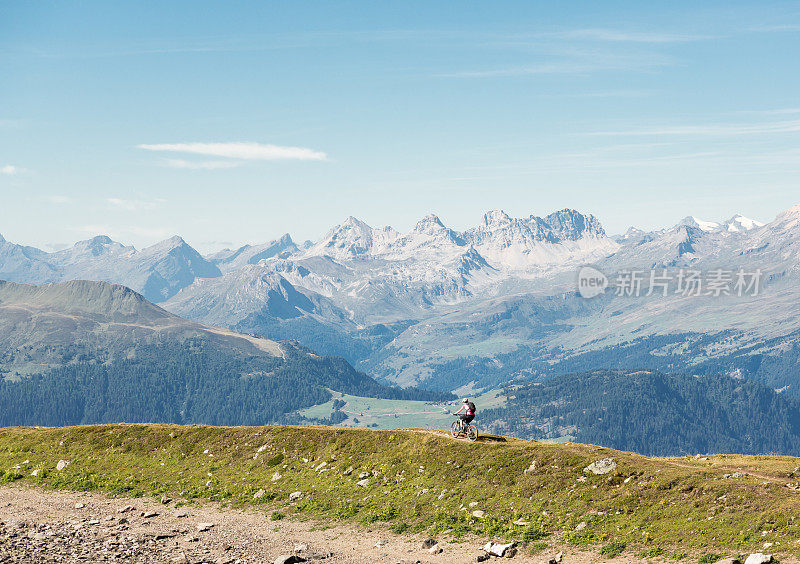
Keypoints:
pixel 235 122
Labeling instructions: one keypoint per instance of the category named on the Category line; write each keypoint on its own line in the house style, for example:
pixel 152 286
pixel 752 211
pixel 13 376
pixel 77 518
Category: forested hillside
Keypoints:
pixel 91 352
pixel 653 413
pixel 187 383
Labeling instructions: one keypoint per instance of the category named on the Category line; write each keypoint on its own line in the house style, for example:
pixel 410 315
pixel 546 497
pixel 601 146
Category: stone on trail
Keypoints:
pixel 511 552
pixel 289 559
pixel 62 464
pixel 149 514
pixel 276 476
pixel 126 509
pixel 35 472
pixel 478 514
pixel 364 475
pixel 581 526
pixel 204 526
pixel 348 471
pixel 435 549
pixel 758 558
pixel 497 549
pixel 165 500
pixel 294 496
pixel 302 547
pixel 482 557
pixel 427 543
pixel 556 559
pixel 80 505
pixel 363 483
pixel 603 466
pixel 259 494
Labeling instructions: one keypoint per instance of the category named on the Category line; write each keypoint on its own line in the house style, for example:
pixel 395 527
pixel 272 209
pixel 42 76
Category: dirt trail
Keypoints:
pixel 732 468
pixel 55 526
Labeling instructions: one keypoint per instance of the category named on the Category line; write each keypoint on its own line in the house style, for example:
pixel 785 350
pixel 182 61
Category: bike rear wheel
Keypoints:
pixel 455 428
pixel 472 433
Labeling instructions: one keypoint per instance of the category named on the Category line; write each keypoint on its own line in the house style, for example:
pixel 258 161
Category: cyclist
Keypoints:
pixel 469 411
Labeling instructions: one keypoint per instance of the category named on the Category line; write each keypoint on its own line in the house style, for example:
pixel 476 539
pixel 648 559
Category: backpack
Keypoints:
pixel 471 407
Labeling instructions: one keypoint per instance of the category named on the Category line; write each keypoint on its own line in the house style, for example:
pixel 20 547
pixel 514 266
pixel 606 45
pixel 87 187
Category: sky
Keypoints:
pixel 233 122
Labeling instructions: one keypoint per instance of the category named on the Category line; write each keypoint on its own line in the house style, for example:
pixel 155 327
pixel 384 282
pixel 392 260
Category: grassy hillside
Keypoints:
pixel 53 325
pixel 423 481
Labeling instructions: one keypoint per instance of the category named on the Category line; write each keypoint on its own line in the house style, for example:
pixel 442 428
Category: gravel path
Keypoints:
pixel 46 526
pixel 42 526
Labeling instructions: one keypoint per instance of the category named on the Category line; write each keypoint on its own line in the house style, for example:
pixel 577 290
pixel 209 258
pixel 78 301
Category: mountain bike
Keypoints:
pixel 460 428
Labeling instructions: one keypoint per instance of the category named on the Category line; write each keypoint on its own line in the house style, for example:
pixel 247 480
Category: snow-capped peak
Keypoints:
pixel 174 242
pixel 496 218
pixel 736 224
pixel 98 245
pixel 429 224
pixel 702 225
pixel 788 218
pixel 352 238
pixel 353 222
pixel 741 223
pixel 633 232
pixel 793 211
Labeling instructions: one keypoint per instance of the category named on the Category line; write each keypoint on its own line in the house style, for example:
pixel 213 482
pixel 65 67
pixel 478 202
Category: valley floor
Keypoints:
pixel 39 525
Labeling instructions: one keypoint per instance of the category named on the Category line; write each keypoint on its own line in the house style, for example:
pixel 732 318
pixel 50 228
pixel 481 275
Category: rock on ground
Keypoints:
pixel 603 466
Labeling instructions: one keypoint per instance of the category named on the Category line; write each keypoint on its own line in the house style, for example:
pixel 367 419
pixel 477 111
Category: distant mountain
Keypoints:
pixel 51 325
pixel 652 413
pixel 735 224
pixel 158 272
pixel 91 352
pixel 354 289
pixel 497 302
pixel 24 264
pixel 740 223
pixel 445 308
pixel 228 259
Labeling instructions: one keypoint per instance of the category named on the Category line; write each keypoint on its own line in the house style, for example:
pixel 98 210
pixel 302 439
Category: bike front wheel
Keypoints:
pixel 455 428
pixel 472 433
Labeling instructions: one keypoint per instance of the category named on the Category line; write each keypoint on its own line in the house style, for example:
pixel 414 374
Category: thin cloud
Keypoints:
pixel 201 165
pixel 94 229
pixel 576 62
pixel 776 28
pixel 132 205
pixel 791 126
pixel 775 112
pixel 57 200
pixel 611 35
pixel 10 170
pixel 242 151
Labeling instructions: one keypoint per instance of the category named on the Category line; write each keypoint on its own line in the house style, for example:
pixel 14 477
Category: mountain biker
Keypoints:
pixel 469 411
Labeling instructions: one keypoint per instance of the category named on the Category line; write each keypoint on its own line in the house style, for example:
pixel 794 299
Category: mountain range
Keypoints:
pixel 462 310
pixel 158 272
pixel 84 352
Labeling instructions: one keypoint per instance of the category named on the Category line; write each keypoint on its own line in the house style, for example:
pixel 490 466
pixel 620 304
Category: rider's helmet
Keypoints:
pixel 465 400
